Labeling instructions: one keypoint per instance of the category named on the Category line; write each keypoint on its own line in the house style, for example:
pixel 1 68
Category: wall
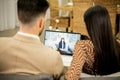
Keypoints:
pixel 7 14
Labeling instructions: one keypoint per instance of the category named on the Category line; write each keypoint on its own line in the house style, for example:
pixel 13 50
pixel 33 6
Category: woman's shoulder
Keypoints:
pixel 84 42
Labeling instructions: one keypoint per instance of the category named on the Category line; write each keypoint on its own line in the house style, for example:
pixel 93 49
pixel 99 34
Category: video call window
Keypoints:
pixel 63 42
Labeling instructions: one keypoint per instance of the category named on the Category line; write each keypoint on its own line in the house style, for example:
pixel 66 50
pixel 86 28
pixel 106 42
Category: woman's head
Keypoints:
pixel 97 21
pixel 98 25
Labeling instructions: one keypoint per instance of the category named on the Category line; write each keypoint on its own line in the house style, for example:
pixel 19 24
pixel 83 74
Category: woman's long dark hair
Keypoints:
pixel 98 25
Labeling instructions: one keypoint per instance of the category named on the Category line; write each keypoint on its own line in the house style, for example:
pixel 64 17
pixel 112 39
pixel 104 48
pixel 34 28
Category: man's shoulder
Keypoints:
pixel 84 42
pixel 1 38
pixel 52 55
pixel 51 51
pixel 5 39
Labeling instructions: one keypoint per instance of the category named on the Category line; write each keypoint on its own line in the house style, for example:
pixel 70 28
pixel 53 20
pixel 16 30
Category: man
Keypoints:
pixel 24 53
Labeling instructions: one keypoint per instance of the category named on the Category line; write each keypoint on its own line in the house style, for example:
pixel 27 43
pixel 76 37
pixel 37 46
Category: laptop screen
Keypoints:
pixel 63 42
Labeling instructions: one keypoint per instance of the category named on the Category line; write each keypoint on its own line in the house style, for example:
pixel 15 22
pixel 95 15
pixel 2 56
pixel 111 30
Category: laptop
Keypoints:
pixel 61 41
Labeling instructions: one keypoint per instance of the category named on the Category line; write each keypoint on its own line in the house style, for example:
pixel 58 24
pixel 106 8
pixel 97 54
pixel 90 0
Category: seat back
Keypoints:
pixel 84 76
pixel 96 78
pixel 26 77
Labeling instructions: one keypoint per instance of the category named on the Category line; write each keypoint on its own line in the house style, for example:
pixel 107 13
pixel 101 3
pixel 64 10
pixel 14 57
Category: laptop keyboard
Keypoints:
pixel 66 60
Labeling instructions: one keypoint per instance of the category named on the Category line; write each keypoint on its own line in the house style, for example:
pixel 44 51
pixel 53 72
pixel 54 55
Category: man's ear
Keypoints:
pixel 41 23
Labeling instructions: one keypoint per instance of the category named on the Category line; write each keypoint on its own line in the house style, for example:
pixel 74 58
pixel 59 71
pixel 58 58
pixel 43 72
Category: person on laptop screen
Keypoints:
pixel 64 46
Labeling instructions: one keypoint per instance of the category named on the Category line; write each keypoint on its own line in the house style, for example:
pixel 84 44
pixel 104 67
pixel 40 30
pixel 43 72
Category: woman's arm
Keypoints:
pixel 78 61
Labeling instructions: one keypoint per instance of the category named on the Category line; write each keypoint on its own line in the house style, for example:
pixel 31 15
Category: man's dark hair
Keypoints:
pixel 28 10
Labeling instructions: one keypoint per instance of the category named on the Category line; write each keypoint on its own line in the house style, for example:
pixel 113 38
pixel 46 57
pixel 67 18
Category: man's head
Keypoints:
pixel 31 11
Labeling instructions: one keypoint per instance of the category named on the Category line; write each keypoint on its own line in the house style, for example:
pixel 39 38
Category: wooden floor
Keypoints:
pixel 8 33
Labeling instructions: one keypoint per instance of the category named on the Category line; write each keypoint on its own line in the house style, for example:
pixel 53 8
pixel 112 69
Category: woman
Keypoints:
pixel 99 55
